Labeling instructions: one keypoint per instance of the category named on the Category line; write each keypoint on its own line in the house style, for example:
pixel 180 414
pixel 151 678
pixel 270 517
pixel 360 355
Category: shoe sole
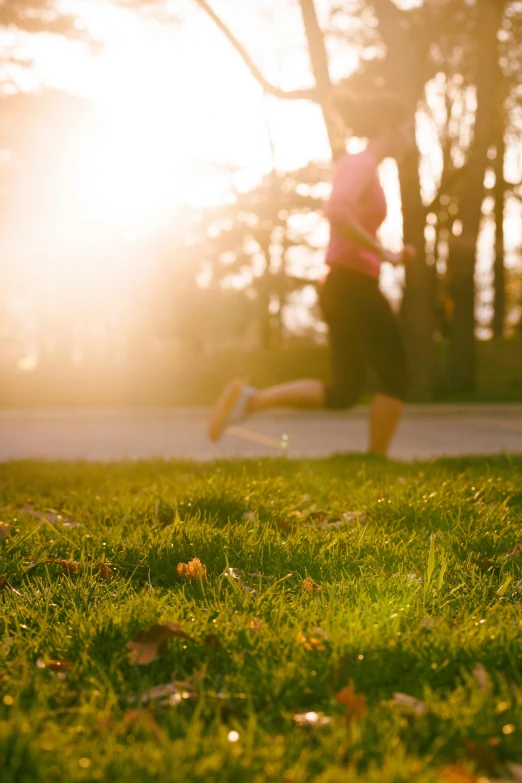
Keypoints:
pixel 223 408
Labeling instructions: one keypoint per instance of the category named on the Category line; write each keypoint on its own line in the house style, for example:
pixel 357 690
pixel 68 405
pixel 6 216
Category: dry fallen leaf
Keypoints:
pixel 409 704
pixel 72 567
pixel 68 567
pixel 309 586
pixel 315 640
pixel 148 644
pixel 486 564
pixel 192 570
pixel 456 774
pixel 312 719
pixel 256 624
pixel 105 572
pixel 354 702
pixel 482 678
pixel 5 530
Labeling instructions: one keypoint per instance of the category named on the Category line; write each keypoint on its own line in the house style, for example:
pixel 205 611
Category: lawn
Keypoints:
pixel 339 620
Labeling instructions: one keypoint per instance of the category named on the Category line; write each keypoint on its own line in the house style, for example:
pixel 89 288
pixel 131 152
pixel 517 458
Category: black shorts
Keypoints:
pixel 363 331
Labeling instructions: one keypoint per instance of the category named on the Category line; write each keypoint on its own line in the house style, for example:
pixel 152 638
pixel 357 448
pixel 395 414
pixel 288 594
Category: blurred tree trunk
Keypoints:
pixel 463 248
pixel 406 74
pixel 499 194
pixel 418 305
pixel 499 314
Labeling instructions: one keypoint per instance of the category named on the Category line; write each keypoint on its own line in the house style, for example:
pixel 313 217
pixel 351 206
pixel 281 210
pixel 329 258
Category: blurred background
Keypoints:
pixel 163 170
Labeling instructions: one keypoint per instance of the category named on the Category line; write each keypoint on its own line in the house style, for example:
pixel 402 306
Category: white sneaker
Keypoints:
pixel 231 408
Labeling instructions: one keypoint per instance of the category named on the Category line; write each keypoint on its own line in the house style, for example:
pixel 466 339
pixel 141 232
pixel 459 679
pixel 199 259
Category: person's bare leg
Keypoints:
pixel 296 394
pixel 238 400
pixel 385 413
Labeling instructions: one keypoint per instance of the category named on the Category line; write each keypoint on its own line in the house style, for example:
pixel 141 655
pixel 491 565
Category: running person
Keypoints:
pixel 362 327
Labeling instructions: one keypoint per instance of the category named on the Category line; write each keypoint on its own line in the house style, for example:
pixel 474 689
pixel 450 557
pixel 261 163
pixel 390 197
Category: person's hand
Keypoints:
pixel 391 257
pixel 407 253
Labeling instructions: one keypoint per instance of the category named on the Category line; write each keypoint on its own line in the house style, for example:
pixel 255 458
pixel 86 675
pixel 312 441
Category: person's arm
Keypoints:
pixel 351 181
pixel 352 231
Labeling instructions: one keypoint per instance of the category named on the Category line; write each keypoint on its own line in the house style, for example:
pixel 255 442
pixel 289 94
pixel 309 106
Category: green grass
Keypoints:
pixel 413 596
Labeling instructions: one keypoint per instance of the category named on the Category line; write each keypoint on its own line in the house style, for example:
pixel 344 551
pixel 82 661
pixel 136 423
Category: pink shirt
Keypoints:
pixel 356 195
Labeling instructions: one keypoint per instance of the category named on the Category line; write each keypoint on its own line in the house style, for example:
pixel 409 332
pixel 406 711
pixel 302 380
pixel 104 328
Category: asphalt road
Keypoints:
pixel 425 432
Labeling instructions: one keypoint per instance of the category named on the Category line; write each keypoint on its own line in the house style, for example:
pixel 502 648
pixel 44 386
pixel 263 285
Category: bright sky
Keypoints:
pixel 171 95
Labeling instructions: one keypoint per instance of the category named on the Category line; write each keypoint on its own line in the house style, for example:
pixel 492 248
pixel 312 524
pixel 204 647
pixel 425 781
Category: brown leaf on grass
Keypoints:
pixel 486 564
pixel 4 585
pixel 354 702
pixel 148 644
pixel 192 570
pixel 309 586
pixel 72 567
pixel 409 704
pixel 5 531
pixel 67 567
pixel 256 624
pixel 456 774
pixel 482 678
pixel 313 641
pixel 105 572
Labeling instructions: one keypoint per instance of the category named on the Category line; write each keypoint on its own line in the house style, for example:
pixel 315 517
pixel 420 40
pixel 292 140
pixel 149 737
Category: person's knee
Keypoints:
pixel 338 397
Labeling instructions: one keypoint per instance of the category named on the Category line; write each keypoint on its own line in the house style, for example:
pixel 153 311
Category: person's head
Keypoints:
pixel 386 120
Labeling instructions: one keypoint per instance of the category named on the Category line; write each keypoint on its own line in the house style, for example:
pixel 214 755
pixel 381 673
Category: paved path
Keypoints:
pixel 425 432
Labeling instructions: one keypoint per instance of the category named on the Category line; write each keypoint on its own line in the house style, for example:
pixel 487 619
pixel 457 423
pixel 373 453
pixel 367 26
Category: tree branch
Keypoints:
pixel 319 60
pixel 310 94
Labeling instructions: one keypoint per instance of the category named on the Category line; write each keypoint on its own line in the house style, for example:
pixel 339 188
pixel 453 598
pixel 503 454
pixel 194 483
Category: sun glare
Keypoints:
pixel 174 105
